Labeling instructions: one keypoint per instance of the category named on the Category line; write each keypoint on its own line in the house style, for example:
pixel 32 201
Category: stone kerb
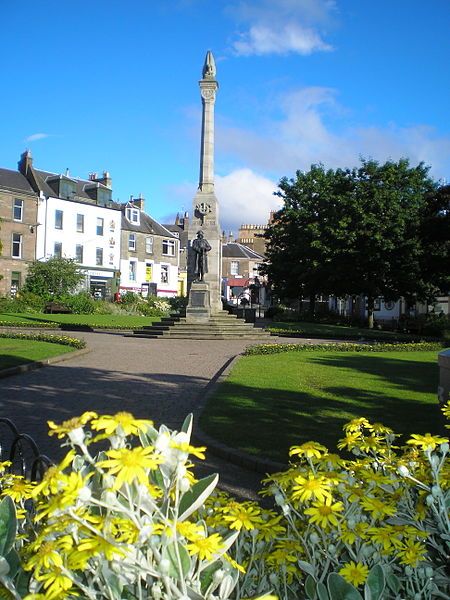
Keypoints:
pixel 444 376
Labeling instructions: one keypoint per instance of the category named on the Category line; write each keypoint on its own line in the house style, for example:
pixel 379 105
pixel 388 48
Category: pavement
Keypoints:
pixel 160 379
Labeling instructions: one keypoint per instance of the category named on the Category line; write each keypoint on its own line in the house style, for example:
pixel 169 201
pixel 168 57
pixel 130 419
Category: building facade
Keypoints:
pixel 149 254
pixel 18 219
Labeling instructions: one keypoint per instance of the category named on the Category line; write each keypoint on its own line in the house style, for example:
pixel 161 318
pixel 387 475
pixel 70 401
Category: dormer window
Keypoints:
pixel 133 215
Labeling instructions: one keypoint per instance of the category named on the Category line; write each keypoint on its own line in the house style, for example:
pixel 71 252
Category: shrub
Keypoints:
pixel 79 304
pixel 131 520
pixel 343 347
pixel 26 302
pixel 178 303
pixel 152 306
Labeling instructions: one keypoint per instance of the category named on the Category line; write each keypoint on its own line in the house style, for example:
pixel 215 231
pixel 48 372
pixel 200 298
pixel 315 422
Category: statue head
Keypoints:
pixel 200 234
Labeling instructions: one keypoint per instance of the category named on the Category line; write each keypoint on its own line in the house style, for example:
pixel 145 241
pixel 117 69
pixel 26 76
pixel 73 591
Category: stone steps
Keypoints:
pixel 219 326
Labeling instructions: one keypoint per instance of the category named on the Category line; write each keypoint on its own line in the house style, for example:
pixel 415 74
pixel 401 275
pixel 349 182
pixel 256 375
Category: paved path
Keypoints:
pixel 158 379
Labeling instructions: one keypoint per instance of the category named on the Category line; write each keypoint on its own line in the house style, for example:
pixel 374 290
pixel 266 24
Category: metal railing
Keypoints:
pixel 22 452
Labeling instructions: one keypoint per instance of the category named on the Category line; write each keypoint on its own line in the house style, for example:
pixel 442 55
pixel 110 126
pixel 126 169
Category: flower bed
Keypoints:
pixel 343 347
pixel 64 340
pixel 123 517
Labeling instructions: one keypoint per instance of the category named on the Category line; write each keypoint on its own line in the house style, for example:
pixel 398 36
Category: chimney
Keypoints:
pixel 230 237
pixel 25 163
pixel 92 176
pixel 105 179
pixel 139 202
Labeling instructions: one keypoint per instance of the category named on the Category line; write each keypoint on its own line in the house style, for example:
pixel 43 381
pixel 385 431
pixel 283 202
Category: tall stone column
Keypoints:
pixel 205 208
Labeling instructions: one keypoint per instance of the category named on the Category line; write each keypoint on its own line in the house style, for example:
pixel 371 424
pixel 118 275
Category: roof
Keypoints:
pixel 44 177
pixel 14 180
pixel 179 232
pixel 237 282
pixel 236 250
pixel 146 225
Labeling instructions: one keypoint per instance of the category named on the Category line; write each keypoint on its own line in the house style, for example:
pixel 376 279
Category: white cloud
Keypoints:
pixel 302 135
pixel 261 39
pixel 281 26
pixel 245 198
pixel 36 136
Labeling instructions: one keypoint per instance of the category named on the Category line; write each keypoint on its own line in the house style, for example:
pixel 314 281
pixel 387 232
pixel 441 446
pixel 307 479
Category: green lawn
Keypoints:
pixel 95 320
pixel 15 352
pixel 271 402
pixel 322 330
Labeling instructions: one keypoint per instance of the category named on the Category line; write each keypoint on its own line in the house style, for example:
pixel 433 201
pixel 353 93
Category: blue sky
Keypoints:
pixel 113 85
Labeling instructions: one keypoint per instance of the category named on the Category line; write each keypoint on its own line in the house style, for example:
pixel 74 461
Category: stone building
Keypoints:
pixel 253 235
pixel 149 253
pixel 18 224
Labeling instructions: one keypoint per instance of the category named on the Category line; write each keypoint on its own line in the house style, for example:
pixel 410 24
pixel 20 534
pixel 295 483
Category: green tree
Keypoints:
pixel 359 231
pixel 53 278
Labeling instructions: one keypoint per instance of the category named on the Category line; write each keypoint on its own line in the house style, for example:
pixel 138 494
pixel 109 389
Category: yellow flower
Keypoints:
pixel 412 553
pixel 56 584
pixel 130 464
pixel 206 547
pixel 68 426
pixel 98 545
pixel 355 425
pixel 188 449
pixel 446 410
pixel 354 573
pixel 349 536
pixel 315 487
pixel 47 554
pixel 123 530
pixel 50 483
pixel 122 423
pixel 18 489
pixel 351 440
pixel 377 508
pixel 233 563
pixel 309 450
pixel 387 537
pixel 427 441
pixel 242 515
pixel 325 514
pixel 190 531
pixel 271 528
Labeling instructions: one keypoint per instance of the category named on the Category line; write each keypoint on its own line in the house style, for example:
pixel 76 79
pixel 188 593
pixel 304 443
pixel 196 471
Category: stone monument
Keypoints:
pixel 204 233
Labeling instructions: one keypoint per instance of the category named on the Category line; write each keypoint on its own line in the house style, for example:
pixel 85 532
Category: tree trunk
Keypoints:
pixel 370 311
pixel 312 305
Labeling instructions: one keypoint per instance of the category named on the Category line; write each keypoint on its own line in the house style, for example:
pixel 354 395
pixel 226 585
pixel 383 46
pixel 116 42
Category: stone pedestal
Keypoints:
pixel 199 306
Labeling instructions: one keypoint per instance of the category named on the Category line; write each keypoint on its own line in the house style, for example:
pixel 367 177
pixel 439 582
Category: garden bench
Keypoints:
pixel 55 307
pixel 22 452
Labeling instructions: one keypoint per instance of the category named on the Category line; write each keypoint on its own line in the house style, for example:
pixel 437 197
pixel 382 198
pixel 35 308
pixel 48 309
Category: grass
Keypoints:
pixel 271 402
pixel 95 320
pixel 15 352
pixel 322 330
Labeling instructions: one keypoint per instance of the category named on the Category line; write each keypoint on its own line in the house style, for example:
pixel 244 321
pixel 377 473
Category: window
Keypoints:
pixel 133 265
pixel 16 278
pixel 234 267
pixel 57 250
pixel 99 256
pixel 79 253
pixel 18 210
pixel 149 245
pixel 16 245
pixel 168 247
pixel 58 219
pixel 99 226
pixel 67 189
pixel 80 223
pixel 164 273
pixel 148 271
pixel 133 215
pixel 132 242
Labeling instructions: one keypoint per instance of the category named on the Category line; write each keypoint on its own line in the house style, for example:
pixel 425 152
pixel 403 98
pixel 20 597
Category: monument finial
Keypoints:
pixel 209 68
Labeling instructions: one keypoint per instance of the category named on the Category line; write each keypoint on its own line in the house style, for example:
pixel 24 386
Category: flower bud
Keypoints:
pixel 436 491
pixel 226 587
pixel 403 471
pixel 429 500
pixel 273 578
pixel 421 573
pixel 434 461
pixel 85 494
pixel 429 572
pixel 164 566
pixel 184 484
pixel 444 448
pixel 331 548
pixel 409 571
pixel 218 576
pixel 279 499
pixel 314 538
pixel 286 509
pixel 76 436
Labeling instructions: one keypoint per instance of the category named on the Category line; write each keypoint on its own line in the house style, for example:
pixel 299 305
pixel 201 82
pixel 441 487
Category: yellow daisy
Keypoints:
pixel 130 464
pixel 206 547
pixel 122 423
pixel 315 487
pixel 309 450
pixel 427 441
pixel 69 425
pixel 354 573
pixel 325 514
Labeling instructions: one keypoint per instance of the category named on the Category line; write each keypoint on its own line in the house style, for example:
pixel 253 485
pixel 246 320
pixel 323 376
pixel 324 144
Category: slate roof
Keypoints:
pixel 14 180
pixel 146 225
pixel 236 250
pixel 81 195
pixel 182 234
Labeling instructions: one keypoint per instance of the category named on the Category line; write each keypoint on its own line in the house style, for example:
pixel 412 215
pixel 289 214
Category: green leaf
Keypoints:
pixel 322 591
pixel 339 589
pixel 207 576
pixel 13 562
pixel 7 590
pixel 307 567
pixel 310 587
pixel 393 582
pixel 8 525
pixel 179 560
pixel 375 583
pixel 187 425
pixel 194 498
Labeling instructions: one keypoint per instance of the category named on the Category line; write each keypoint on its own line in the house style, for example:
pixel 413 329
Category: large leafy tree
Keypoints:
pixel 53 278
pixel 360 231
